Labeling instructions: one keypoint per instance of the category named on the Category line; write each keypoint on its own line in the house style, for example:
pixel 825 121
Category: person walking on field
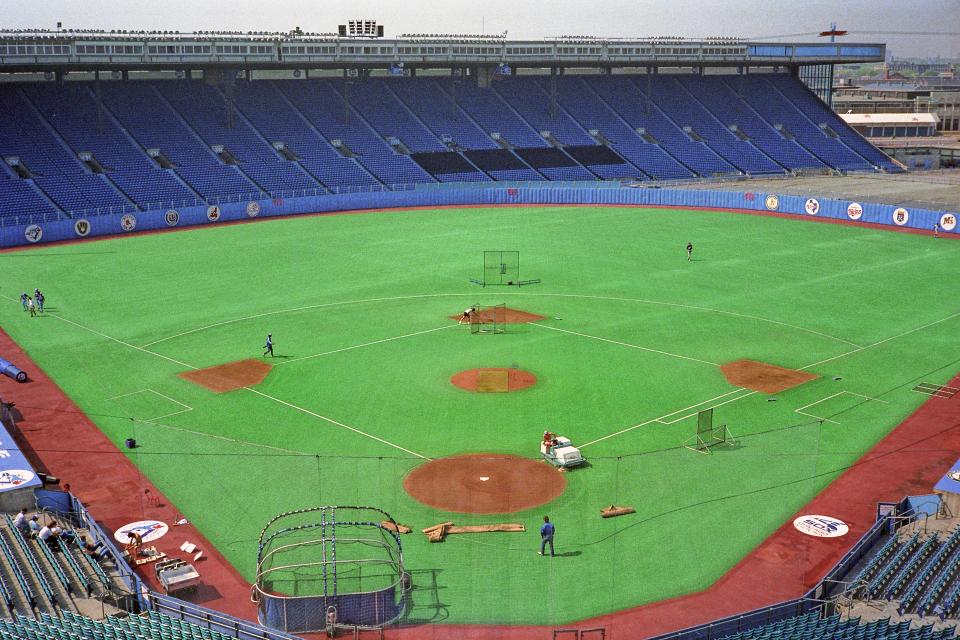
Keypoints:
pixel 23 300
pixel 546 536
pixel 689 251
pixel 268 348
pixel 32 308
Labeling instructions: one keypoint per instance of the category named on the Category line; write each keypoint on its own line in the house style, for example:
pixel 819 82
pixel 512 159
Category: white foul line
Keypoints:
pixel 334 422
pixel 879 342
pixel 672 413
pixel 126 344
pixel 366 344
pixel 624 344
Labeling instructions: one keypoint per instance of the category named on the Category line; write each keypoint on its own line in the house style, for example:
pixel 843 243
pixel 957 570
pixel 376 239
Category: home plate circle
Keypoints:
pixel 484 483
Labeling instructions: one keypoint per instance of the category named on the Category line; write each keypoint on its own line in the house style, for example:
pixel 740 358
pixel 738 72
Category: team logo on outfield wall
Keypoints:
pixel 82 227
pixel 14 478
pixel 900 216
pixel 821 526
pixel 33 233
pixel 213 213
pixel 948 222
pixel 812 206
pixel 128 222
pixel 149 530
pixel 854 211
pixel 253 209
pixel 171 217
pixel 772 202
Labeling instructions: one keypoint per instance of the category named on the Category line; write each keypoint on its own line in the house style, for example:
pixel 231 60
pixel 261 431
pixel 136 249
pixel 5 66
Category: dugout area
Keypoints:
pixel 623 364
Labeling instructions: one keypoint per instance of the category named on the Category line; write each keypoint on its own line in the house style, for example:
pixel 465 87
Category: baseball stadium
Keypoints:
pixel 432 337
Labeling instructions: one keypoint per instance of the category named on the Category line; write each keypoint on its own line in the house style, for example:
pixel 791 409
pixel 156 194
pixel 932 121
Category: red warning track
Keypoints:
pixel 910 460
pixel 105 480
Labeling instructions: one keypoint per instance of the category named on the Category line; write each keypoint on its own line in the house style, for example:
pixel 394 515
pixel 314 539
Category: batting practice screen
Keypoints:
pixel 501 267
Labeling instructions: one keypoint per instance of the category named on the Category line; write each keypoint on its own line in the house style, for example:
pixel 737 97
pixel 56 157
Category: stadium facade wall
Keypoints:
pixel 808 206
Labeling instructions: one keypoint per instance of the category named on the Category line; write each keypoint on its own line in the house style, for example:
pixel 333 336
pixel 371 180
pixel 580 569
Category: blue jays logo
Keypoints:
pixel 13 478
pixel 33 233
pixel 821 526
pixel 148 530
pixel 954 475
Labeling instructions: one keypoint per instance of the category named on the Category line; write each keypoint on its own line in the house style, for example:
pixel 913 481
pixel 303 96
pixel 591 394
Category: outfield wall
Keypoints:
pixel 554 194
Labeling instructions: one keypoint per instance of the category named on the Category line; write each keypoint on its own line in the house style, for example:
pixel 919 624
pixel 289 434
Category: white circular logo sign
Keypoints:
pixel 253 209
pixel 82 227
pixel 821 526
pixel 171 217
pixel 854 211
pixel 213 213
pixel 900 216
pixel 812 206
pixel 128 222
pixel 13 478
pixel 33 233
pixel 149 530
pixel 772 202
pixel 954 475
pixel 948 221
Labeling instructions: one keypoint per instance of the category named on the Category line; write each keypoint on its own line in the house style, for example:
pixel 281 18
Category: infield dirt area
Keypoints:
pixel 763 377
pixel 493 380
pixel 230 376
pixel 509 316
pixel 484 483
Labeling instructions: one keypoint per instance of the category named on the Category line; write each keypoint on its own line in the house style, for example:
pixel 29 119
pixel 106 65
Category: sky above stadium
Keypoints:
pixel 525 18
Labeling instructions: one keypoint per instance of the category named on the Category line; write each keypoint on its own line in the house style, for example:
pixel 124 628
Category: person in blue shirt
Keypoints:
pixel 23 300
pixel 40 301
pixel 268 348
pixel 546 536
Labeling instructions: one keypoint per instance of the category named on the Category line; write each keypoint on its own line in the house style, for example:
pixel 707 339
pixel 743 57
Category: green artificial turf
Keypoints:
pixel 358 306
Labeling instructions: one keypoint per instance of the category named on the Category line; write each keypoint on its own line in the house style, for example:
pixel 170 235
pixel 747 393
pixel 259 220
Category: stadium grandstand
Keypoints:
pixel 112 133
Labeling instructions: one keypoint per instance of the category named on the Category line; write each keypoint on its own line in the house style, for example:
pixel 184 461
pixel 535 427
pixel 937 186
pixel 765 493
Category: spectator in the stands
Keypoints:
pixel 50 533
pixel 34 525
pixel 20 522
pixel 98 550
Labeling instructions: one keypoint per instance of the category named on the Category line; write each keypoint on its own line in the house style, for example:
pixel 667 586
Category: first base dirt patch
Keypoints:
pixel 763 377
pixel 484 483
pixel 230 376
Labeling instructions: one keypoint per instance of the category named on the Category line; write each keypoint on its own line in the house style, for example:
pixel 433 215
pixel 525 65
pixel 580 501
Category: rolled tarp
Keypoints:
pixel 10 370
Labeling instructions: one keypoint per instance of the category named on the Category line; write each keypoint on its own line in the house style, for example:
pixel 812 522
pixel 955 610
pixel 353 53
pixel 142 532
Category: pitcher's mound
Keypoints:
pixel 230 376
pixel 484 483
pixel 509 316
pixel 493 380
pixel 763 377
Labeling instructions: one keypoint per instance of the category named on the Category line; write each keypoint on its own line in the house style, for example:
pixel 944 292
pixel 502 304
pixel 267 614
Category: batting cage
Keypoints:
pixel 323 568
pixel 501 267
pixel 490 319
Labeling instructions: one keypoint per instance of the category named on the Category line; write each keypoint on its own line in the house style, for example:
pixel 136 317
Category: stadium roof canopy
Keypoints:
pixel 40 50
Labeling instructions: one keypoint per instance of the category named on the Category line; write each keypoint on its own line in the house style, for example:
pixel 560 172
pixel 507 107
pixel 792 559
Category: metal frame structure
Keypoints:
pixel 315 529
pixel 501 268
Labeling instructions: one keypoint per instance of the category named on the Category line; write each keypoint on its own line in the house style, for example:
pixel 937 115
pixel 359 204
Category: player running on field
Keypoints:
pixel 689 251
